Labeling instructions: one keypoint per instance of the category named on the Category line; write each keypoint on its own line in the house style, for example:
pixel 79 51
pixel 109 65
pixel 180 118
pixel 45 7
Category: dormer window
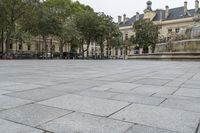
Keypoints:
pixel 177 30
pixel 169 30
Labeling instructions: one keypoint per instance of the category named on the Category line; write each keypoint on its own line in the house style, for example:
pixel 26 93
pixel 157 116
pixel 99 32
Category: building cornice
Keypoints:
pixel 174 21
pixel 167 22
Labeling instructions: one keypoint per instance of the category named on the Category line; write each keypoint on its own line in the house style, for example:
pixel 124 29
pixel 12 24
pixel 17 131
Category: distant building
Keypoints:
pixel 169 20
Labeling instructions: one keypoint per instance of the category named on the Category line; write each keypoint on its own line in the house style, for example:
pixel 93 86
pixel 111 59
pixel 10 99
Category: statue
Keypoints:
pixel 195 32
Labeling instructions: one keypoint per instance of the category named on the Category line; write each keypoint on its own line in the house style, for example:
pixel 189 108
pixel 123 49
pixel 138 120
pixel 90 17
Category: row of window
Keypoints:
pixel 176 30
pixel 28 47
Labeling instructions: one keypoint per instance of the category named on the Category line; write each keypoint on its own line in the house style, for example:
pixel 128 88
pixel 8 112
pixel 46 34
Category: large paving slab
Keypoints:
pixel 70 87
pixel 139 99
pixel 152 89
pixel 8 83
pixel 11 127
pixel 152 81
pixel 191 84
pixel 37 94
pixel 170 119
pixel 98 94
pixel 21 87
pixel 146 129
pixel 177 97
pixel 182 104
pixel 7 102
pixel 84 123
pixel 4 92
pixel 120 87
pixel 33 114
pixel 91 105
pixel 188 92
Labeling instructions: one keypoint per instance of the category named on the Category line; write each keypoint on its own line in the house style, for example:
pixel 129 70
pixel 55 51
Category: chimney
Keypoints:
pixel 161 16
pixel 137 16
pixel 185 8
pixel 166 11
pixel 124 18
pixel 196 6
pixel 119 19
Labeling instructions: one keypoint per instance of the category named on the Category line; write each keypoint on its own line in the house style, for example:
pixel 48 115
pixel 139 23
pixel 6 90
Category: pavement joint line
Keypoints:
pixel 119 110
pixel 38 126
pixel 17 107
pixel 21 124
pixel 74 111
pixel 139 124
pixel 152 94
pixel 198 127
pixel 129 128
pixel 188 80
pixel 36 101
pixel 123 73
pixel 162 101
pixel 178 88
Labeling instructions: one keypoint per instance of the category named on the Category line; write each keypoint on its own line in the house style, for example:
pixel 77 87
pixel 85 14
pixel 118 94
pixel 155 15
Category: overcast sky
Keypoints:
pixel 130 7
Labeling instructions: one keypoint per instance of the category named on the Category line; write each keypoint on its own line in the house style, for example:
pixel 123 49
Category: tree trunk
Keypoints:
pixel 102 49
pixel 61 49
pixel 2 40
pixel 82 49
pixel 46 48
pixel 87 50
pixel 51 49
pixel 43 47
pixel 8 41
pixel 88 45
pixel 109 48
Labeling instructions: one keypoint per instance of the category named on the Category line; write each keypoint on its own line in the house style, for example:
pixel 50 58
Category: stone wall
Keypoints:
pixel 192 45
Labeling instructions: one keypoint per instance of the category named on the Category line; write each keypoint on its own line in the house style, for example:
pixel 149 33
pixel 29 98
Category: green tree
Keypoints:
pixel 65 12
pixel 3 24
pixel 86 23
pixel 107 33
pixel 146 34
pixel 42 22
pixel 13 11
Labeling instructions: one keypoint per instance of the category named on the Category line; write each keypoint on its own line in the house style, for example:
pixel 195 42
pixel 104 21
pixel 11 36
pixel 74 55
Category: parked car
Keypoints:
pixel 69 55
pixel 8 56
pixel 46 56
pixel 1 55
pixel 25 56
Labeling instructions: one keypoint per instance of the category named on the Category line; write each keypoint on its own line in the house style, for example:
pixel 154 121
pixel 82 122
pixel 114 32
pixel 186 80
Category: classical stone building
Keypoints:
pixel 169 20
pixel 35 47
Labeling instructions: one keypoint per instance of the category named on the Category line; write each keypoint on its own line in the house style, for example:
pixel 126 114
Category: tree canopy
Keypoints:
pixel 146 34
pixel 71 23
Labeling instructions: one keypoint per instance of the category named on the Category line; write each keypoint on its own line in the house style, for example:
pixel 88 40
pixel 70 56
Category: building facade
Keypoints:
pixel 169 20
pixel 35 47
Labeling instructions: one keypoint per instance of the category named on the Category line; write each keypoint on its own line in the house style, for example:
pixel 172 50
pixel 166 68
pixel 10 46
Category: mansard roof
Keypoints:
pixel 175 13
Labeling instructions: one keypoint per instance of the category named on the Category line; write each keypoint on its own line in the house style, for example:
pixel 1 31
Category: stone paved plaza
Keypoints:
pixel 99 96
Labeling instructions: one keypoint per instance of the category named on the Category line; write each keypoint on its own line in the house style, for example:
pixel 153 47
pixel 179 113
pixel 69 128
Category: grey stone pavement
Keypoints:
pixel 62 96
